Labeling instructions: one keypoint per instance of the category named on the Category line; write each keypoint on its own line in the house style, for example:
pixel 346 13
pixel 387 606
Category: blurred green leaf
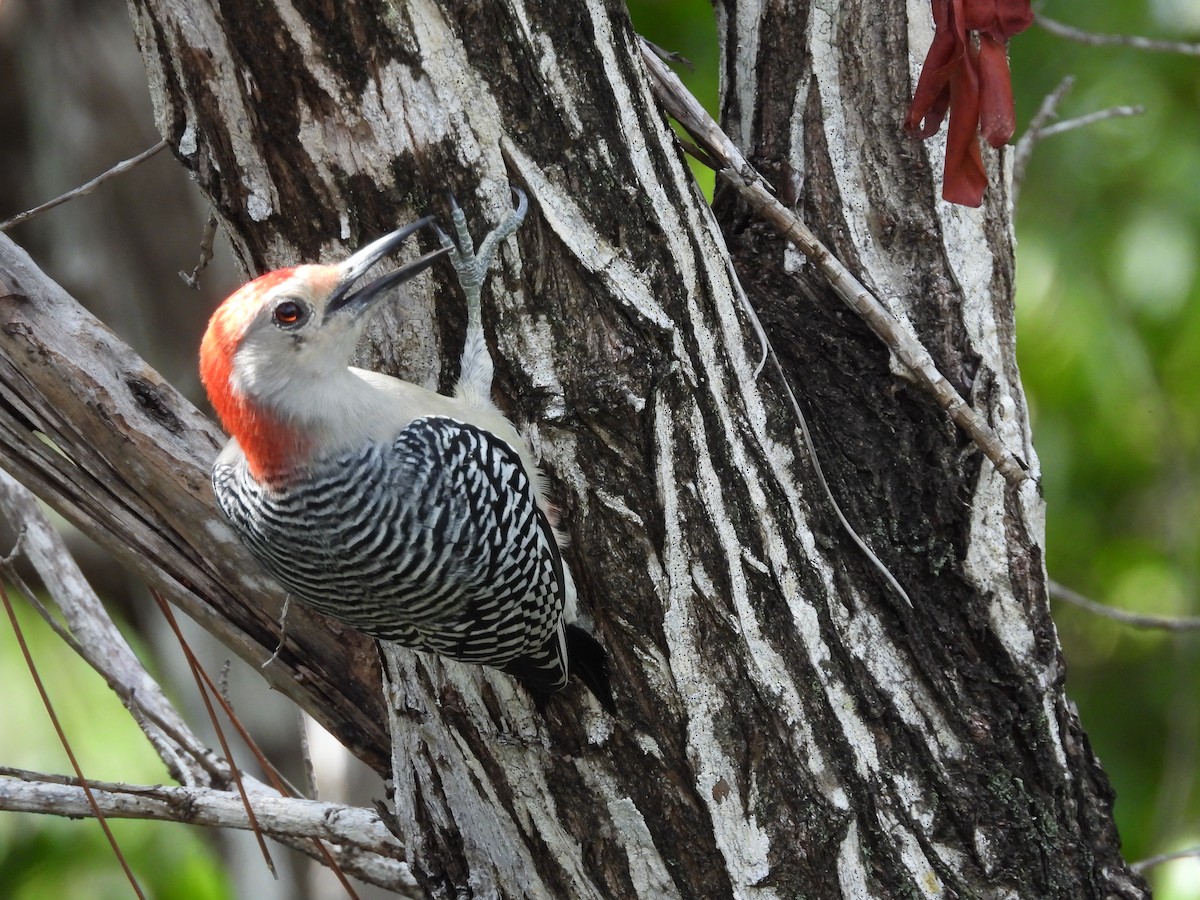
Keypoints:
pixel 44 857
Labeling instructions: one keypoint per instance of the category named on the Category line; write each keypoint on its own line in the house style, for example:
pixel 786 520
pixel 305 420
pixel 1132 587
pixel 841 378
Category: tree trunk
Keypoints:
pixel 786 724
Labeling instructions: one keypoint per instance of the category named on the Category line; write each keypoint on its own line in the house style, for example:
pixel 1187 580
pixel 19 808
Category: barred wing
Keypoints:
pixel 434 541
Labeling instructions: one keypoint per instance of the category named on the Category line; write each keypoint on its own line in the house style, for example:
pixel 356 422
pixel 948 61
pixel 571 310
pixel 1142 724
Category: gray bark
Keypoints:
pixel 786 725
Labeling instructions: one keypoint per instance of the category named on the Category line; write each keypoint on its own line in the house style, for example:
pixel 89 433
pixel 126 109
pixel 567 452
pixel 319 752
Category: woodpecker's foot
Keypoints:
pixel 475 371
pixel 470 265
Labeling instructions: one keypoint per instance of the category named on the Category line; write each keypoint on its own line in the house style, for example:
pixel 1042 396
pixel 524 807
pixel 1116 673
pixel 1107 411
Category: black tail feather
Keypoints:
pixel 545 672
pixel 589 663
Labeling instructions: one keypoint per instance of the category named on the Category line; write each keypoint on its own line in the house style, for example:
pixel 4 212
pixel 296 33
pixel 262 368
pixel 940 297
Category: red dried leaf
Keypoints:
pixel 997 121
pixel 999 18
pixel 964 179
pixel 972 83
pixel 931 99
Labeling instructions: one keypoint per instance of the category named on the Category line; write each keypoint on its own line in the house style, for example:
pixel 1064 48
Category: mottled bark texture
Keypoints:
pixel 786 725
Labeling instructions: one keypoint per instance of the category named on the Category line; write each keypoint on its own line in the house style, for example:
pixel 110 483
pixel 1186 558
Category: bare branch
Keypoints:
pixel 1151 862
pixel 898 336
pixel 1117 40
pixel 1134 620
pixel 118 169
pixel 1033 134
pixel 1038 129
pixel 1114 112
pixel 365 847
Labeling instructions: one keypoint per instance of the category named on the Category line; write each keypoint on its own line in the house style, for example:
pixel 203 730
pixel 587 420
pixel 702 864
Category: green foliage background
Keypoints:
pixel 44 857
pixel 1108 306
pixel 1109 346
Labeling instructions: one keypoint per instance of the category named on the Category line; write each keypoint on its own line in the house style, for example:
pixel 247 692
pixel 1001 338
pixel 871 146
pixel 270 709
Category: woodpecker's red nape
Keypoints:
pixel 269 443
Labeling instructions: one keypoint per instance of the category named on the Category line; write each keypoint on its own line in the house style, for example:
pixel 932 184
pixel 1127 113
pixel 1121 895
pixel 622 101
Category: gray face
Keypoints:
pixel 294 341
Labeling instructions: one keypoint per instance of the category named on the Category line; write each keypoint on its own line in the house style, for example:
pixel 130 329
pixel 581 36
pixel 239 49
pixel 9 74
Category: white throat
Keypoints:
pixel 331 404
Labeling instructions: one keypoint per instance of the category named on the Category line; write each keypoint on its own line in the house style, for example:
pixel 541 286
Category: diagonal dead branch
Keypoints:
pixel 83 189
pixel 898 336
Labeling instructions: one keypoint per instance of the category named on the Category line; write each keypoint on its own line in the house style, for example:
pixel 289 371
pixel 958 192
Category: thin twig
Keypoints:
pixel 1117 40
pixel 1039 129
pixel 274 776
pixel 898 337
pixel 272 773
pixel 1143 865
pixel 1024 149
pixel 1113 112
pixel 119 168
pixel 200 677
pixel 891 579
pixel 671 56
pixel 207 238
pixel 287 603
pixel 62 735
pixel 1134 620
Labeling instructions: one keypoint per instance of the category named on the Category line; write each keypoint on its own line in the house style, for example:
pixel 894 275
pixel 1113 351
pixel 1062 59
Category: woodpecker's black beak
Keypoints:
pixel 345 298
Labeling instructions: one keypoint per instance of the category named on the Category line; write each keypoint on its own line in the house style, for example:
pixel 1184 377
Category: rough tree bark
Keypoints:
pixel 787 726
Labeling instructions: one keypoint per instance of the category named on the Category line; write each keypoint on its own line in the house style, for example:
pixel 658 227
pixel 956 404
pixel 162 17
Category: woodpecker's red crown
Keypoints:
pixel 275 341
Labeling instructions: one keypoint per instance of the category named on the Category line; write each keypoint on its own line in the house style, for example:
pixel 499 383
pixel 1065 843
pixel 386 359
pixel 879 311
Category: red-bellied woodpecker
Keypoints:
pixel 415 517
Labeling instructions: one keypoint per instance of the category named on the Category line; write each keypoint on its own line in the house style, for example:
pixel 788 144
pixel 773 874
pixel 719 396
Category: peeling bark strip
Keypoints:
pixel 786 726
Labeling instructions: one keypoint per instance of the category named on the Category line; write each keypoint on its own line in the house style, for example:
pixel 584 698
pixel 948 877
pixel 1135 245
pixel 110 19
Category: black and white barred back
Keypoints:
pixel 434 541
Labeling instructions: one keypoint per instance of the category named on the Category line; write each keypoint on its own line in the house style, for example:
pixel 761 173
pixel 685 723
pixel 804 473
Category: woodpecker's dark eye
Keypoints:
pixel 289 314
